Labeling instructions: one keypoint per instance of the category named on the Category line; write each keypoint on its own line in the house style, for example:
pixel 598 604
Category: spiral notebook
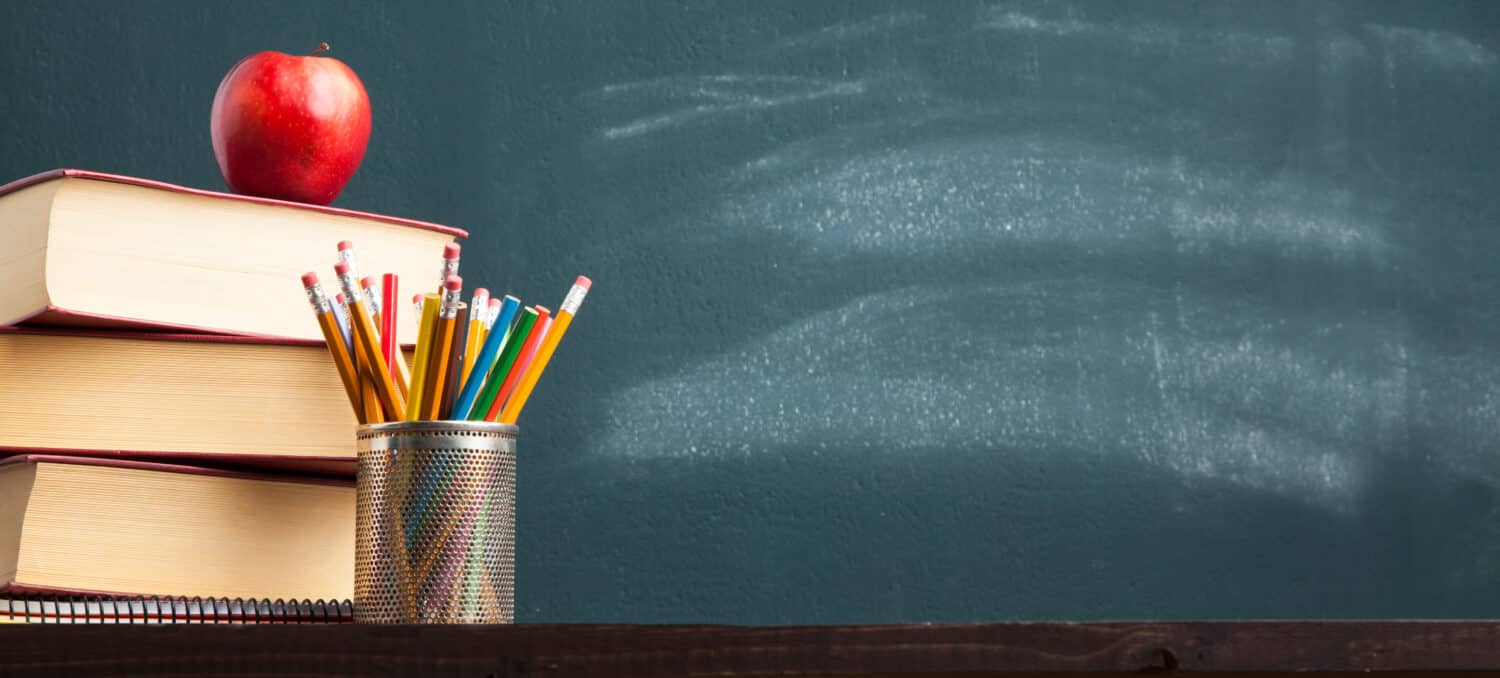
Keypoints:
pixel 65 609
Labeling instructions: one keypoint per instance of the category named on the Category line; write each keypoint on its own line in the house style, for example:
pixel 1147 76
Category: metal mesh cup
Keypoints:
pixel 435 525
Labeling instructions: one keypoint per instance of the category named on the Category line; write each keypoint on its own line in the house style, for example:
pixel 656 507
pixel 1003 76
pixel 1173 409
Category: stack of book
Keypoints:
pixel 170 423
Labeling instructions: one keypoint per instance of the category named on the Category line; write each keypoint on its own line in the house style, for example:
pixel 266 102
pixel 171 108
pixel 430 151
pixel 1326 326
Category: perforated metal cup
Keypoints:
pixel 434 532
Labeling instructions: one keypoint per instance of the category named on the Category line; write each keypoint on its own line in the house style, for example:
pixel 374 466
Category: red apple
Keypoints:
pixel 290 127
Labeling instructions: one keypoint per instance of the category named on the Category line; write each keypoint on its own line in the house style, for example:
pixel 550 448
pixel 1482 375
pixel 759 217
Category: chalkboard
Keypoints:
pixel 924 311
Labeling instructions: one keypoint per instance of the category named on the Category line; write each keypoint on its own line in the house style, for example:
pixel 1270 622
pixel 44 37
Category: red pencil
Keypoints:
pixel 388 343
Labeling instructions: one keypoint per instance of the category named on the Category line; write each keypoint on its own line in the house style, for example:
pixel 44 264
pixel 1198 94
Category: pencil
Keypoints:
pixel 369 401
pixel 450 265
pixel 346 255
pixel 565 313
pixel 341 316
pixel 489 319
pixel 424 348
pixel 369 398
pixel 479 306
pixel 442 349
pixel 457 357
pixel 528 350
pixel 512 347
pixel 481 364
pixel 334 340
pixel 365 337
pixel 388 343
pixel 399 373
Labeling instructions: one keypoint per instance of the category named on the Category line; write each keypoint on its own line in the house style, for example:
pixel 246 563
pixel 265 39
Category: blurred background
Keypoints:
pixel 923 311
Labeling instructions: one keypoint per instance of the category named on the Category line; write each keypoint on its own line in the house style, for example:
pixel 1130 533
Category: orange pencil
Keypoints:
pixel 442 349
pixel 334 338
pixel 457 356
pixel 518 368
pixel 368 343
pixel 555 333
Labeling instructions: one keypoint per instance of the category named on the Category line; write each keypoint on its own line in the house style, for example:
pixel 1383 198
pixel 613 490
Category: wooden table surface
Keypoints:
pixel 1120 648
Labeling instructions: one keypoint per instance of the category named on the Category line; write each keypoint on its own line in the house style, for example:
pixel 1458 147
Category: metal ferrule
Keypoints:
pixel 573 300
pixel 317 299
pixel 449 308
pixel 450 267
pixel 373 300
pixel 352 292
pixel 347 256
pixel 479 307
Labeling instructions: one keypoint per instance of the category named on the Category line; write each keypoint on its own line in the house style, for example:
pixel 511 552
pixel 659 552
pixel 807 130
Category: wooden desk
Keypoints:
pixel 1095 648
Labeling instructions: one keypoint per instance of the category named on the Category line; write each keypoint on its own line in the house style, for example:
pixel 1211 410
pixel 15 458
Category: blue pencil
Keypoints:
pixel 492 344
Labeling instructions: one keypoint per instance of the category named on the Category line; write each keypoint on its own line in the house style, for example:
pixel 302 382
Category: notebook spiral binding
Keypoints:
pixel 88 609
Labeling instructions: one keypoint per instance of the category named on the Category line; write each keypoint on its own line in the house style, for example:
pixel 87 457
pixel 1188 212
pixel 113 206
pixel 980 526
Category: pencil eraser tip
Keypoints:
pixel 454 283
pixel 340 298
pixel 450 250
pixel 344 245
pixel 583 281
pixel 368 282
pixel 309 279
pixel 341 268
pixel 494 302
pixel 416 298
pixel 482 292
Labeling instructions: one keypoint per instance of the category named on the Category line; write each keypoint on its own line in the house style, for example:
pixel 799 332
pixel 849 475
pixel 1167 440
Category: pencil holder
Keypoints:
pixel 435 524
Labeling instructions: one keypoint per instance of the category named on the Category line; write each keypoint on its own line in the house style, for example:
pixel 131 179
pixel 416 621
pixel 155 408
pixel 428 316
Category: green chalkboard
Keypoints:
pixel 924 311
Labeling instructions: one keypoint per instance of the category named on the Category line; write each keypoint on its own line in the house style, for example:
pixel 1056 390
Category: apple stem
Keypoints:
pixel 322 47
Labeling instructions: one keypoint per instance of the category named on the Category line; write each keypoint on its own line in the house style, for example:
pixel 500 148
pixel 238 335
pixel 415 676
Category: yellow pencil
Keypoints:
pixel 424 348
pixel 366 339
pixel 334 337
pixel 560 324
pixel 478 307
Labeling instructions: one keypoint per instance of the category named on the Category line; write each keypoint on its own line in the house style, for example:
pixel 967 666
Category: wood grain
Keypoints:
pixel 596 650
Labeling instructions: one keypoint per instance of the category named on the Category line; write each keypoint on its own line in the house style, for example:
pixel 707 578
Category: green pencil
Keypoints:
pixel 502 366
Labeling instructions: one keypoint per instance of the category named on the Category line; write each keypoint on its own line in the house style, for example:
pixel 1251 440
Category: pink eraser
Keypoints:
pixel 340 298
pixel 450 250
pixel 494 302
pixel 341 268
pixel 416 298
pixel 344 245
pixel 583 282
pixel 453 283
pixel 368 282
pixel 309 279
pixel 482 292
